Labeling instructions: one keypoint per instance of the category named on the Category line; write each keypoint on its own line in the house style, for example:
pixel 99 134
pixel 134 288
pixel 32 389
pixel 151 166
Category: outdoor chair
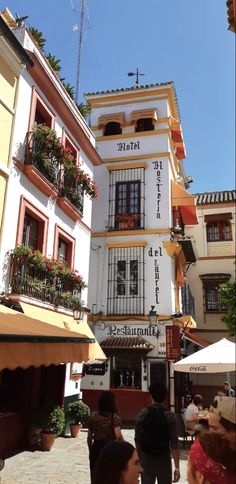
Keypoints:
pixel 182 432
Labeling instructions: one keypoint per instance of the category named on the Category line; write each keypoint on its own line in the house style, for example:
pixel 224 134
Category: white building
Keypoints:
pixel 46 208
pixel 139 251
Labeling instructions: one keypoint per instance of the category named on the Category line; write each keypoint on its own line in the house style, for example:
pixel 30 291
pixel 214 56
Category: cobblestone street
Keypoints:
pixel 66 463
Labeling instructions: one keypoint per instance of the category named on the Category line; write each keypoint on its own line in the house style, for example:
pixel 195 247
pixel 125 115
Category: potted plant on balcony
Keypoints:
pixel 50 419
pixel 127 220
pixel 77 413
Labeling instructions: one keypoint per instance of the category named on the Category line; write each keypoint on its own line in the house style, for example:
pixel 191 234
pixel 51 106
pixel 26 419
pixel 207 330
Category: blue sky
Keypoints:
pixel 185 41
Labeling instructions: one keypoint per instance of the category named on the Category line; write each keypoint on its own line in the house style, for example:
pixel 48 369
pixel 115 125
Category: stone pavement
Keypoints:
pixel 66 463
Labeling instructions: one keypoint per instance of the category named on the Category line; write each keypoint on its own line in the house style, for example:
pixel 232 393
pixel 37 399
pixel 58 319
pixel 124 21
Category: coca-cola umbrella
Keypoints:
pixel 216 358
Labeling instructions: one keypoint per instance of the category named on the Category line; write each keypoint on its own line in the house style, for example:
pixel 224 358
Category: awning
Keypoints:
pixel 189 214
pixel 121 343
pixel 144 114
pixel 187 203
pixel 111 118
pixel 197 340
pixel 177 138
pixel 26 341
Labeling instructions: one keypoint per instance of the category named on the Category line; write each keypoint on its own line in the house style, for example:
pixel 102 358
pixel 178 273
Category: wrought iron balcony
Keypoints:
pixel 72 190
pixel 44 157
pixel 32 282
pixel 126 221
pixel 188 303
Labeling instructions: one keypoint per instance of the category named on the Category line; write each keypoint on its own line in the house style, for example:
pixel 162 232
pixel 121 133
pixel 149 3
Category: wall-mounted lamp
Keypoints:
pixel 153 316
pixel 78 314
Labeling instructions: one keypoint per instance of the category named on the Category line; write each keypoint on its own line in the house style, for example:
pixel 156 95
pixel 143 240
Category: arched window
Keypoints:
pixel 144 124
pixel 112 128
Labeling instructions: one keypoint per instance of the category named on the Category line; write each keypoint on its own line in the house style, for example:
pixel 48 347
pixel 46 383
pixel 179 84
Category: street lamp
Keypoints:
pixel 152 316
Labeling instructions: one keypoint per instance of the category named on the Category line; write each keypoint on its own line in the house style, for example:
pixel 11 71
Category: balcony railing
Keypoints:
pixel 72 190
pixel 43 158
pixel 188 303
pixel 28 281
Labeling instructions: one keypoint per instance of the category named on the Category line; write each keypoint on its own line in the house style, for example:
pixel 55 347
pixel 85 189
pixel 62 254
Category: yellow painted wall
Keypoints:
pixel 8 81
pixel 6 120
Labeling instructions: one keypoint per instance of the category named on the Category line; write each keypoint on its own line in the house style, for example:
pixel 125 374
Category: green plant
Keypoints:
pixel 50 418
pixel 227 303
pixel 78 412
pixel 54 63
pixel 38 37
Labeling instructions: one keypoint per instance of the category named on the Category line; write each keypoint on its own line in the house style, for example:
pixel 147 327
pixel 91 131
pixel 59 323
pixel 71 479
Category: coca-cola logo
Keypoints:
pixel 197 368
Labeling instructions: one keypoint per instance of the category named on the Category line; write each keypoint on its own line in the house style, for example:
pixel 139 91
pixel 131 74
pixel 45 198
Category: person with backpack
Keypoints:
pixel 156 439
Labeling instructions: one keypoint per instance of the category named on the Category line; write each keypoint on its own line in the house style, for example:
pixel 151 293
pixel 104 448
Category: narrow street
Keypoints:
pixel 66 463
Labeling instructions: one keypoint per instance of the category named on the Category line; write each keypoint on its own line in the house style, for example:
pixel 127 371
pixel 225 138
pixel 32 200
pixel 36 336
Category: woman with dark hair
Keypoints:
pixel 118 463
pixel 103 426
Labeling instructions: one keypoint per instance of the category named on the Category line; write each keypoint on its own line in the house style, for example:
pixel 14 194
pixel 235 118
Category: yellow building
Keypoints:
pixel 13 59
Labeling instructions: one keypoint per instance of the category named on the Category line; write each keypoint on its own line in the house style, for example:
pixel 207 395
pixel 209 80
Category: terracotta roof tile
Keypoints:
pixel 206 198
pixel 138 88
pixel 129 343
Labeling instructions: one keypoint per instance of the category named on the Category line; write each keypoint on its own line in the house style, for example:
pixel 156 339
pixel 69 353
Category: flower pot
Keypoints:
pixel 75 430
pixel 47 440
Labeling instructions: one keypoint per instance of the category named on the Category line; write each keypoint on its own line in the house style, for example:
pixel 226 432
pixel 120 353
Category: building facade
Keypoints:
pixel 47 161
pixel 215 242
pixel 139 251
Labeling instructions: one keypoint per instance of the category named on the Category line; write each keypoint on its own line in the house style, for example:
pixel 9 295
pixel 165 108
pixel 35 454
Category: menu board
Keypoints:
pixel 173 349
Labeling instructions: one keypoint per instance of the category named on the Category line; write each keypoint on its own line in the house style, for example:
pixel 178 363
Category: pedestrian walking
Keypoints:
pixel 211 460
pixel 156 438
pixel 118 463
pixel 103 426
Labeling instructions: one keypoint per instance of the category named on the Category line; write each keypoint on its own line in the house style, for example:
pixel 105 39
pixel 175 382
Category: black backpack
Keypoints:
pixel 155 432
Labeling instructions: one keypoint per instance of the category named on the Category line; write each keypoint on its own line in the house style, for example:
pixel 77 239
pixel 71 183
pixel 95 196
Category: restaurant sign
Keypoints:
pixel 173 349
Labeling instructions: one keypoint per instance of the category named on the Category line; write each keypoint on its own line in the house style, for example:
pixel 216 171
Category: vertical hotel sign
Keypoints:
pixel 173 350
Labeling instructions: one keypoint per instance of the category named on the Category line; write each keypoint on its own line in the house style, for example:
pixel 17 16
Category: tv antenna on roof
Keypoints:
pixel 137 74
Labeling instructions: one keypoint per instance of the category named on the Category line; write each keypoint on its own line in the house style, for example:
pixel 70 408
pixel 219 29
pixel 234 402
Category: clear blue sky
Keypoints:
pixel 185 41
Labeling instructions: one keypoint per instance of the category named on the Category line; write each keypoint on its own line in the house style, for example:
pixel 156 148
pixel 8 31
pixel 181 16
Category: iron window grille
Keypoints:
pixel 126 281
pixel 126 199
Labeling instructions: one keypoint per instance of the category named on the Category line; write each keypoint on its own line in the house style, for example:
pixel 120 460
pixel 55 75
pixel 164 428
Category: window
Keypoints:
pixel 126 280
pixel 211 283
pixel 30 232
pixel 127 205
pixel 112 128
pixel 32 226
pixel 218 227
pixel 40 113
pixel 218 231
pixel 126 370
pixel 73 150
pixel 144 124
pixel 64 247
pixel 126 201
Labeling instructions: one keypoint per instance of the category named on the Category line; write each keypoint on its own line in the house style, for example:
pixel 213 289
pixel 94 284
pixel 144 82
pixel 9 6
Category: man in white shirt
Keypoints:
pixel 192 413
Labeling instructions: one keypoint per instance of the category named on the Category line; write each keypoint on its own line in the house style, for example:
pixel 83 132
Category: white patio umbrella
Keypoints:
pixel 216 358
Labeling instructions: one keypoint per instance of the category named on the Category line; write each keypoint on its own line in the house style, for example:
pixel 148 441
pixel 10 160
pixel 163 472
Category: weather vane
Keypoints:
pixel 137 74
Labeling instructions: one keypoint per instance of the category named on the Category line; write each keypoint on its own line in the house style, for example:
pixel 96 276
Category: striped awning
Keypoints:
pixel 144 114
